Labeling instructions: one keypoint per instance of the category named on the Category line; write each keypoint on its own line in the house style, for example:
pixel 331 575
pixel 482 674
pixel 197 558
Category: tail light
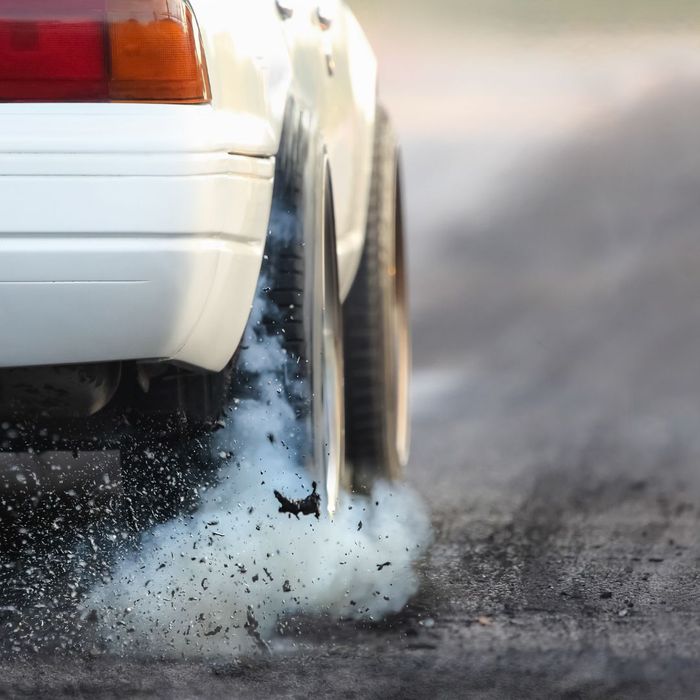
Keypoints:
pixel 101 51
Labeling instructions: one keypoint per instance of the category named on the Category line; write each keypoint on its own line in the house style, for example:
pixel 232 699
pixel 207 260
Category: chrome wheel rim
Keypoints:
pixel 329 417
pixel 401 334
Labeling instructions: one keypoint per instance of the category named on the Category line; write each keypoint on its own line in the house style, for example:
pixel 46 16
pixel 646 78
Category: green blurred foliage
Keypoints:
pixel 543 14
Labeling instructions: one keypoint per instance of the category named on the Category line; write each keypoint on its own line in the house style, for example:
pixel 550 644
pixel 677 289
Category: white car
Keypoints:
pixel 150 150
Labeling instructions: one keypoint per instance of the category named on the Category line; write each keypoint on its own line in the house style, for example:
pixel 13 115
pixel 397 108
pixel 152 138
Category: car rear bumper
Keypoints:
pixel 121 254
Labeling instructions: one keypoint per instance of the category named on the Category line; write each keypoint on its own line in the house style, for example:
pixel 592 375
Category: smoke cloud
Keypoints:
pixel 218 582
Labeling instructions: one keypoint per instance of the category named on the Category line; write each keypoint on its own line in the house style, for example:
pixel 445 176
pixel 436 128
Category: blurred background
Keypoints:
pixel 478 87
pixel 552 169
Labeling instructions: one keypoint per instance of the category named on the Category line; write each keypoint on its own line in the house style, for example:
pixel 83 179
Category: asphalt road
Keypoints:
pixel 556 439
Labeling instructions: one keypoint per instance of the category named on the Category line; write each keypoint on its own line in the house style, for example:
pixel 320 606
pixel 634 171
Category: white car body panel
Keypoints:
pixel 136 231
pixel 255 72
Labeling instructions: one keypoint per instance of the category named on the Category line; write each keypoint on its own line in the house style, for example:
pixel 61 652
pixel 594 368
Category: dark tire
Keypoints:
pixel 377 335
pixel 300 283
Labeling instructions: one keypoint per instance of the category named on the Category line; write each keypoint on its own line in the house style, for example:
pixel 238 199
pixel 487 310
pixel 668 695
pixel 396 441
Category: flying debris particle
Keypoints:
pixel 268 574
pixel 251 627
pixel 384 565
pixel 311 505
pixel 271 438
pixel 213 632
pixel 204 583
pixel 287 587
pixel 359 526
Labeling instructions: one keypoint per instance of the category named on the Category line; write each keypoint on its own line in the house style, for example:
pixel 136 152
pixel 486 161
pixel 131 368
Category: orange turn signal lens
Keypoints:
pixel 156 54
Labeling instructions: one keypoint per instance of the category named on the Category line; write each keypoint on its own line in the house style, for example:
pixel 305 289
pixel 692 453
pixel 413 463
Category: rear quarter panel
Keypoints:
pixel 258 61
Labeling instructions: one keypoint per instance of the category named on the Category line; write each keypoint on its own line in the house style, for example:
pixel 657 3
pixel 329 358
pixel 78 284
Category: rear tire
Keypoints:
pixel 377 335
pixel 300 281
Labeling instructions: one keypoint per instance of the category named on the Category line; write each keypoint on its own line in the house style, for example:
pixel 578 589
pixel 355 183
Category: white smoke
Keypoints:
pixel 217 582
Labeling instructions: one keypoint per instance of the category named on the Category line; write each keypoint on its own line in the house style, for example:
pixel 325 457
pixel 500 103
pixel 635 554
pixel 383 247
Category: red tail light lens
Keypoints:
pixel 100 50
